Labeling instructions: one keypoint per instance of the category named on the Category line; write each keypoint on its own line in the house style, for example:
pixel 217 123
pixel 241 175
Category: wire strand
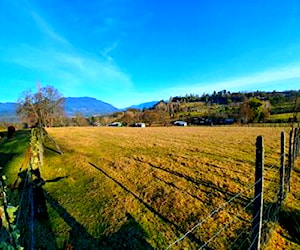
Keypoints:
pixel 228 224
pixel 32 240
pixel 213 213
pixel 21 199
pixel 253 241
pixel 274 164
pixel 243 231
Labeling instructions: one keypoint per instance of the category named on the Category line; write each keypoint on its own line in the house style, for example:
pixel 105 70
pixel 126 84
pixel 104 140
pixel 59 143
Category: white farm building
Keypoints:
pixel 180 123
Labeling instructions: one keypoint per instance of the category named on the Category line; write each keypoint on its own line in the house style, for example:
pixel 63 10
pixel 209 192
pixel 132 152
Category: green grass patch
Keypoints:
pixel 12 153
pixel 287 107
pixel 283 116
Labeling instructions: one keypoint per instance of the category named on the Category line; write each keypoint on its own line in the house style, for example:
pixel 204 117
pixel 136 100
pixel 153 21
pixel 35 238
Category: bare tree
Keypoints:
pixel 41 108
pixel 246 112
pixel 80 120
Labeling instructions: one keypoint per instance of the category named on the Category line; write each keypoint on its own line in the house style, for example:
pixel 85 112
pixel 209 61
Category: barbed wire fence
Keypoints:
pixel 29 177
pixel 25 218
pixel 272 183
pixel 270 189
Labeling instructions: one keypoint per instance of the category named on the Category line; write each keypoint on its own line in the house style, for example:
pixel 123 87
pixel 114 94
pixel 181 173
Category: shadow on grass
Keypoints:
pixel 297 170
pixel 289 219
pixel 19 136
pixel 5 158
pixel 12 147
pixel 214 155
pixel 205 183
pixel 34 214
pixel 79 238
pixel 192 237
pixel 32 218
pixel 130 236
pixel 171 184
pixel 52 150
pixel 243 238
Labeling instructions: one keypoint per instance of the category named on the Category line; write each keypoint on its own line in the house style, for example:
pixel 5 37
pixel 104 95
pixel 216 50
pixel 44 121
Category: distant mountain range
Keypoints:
pixel 87 106
pixel 143 105
pixel 8 112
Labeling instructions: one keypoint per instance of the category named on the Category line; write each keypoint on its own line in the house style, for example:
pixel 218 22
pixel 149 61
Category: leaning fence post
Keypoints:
pixel 281 195
pixel 258 195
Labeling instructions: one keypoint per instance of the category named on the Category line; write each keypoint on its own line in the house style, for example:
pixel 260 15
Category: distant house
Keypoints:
pixel 97 124
pixel 161 105
pixel 140 125
pixel 115 124
pixel 180 123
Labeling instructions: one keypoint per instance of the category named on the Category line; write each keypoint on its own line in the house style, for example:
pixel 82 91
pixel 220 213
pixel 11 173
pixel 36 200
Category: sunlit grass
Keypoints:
pixel 171 178
pixel 283 116
pixel 12 153
pixel 286 234
pixel 149 186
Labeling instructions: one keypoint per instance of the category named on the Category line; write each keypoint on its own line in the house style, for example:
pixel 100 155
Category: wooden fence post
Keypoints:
pixel 296 143
pixel 258 195
pixel 281 195
pixel 290 160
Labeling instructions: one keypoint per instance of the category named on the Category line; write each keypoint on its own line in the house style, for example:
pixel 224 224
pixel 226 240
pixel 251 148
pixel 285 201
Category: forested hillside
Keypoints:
pixel 221 107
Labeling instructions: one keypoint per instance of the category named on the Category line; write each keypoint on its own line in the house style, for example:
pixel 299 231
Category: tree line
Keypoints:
pixel 46 108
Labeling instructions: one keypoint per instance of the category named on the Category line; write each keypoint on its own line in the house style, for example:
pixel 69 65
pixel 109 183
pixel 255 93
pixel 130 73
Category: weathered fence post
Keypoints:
pixel 281 195
pixel 258 195
pixel 290 160
pixel 298 141
pixel 296 144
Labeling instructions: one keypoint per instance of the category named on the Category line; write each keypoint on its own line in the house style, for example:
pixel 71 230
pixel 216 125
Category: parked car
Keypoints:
pixel 180 123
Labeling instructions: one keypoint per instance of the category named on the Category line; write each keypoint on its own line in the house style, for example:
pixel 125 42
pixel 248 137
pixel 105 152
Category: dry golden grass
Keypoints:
pixel 286 234
pixel 157 181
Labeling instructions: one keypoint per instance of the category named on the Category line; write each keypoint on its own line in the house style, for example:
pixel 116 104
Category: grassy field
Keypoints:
pixel 116 188
pixel 283 116
pixel 12 152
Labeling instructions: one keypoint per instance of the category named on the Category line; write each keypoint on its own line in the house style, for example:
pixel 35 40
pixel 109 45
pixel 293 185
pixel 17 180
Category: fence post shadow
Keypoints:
pixel 289 219
pixel 191 237
pixel 43 233
pixel 79 238
pixel 32 193
pixel 131 235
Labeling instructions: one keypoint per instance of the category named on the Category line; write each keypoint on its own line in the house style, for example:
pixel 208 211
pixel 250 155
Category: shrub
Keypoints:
pixel 11 131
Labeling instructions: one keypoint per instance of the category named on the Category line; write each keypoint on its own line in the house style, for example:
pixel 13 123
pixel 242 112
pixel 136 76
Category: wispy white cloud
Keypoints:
pixel 56 61
pixel 70 71
pixel 91 70
pixel 75 72
pixel 106 52
pixel 28 11
pixel 254 81
pixel 45 27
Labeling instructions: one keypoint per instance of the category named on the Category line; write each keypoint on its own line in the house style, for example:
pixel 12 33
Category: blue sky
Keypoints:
pixel 126 52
